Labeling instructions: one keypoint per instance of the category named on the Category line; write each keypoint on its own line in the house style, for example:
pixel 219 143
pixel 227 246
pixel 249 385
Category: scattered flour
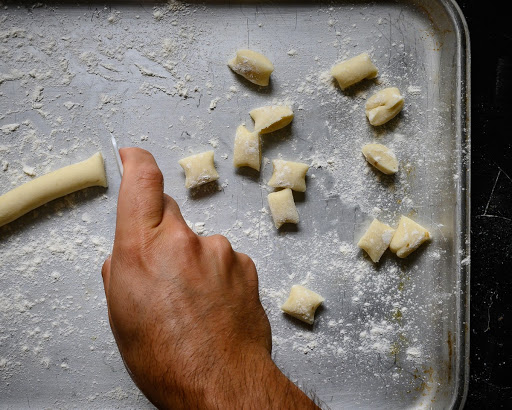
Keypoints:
pixel 9 128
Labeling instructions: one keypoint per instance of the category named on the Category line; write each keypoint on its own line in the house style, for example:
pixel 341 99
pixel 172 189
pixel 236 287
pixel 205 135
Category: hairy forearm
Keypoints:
pixel 259 384
pixel 252 381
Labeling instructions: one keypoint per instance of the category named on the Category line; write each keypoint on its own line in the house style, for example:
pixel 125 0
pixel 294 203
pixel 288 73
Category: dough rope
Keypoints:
pixel 53 185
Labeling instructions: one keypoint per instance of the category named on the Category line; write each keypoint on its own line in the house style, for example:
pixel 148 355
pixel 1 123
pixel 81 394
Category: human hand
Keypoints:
pixel 184 309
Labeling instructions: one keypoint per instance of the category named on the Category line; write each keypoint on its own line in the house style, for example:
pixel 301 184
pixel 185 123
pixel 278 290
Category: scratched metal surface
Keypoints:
pixel 391 336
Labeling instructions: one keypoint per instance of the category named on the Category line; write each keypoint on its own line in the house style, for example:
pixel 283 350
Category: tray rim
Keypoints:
pixel 464 199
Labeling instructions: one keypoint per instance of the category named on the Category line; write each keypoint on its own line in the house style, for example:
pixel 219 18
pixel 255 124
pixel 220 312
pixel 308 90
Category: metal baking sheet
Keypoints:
pixel 392 335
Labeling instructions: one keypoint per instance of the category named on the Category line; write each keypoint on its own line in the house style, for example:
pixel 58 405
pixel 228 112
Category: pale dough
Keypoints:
pixel 302 303
pixel 384 105
pixel 282 207
pixel 253 66
pixel 271 118
pixel 408 237
pixel 381 157
pixel 376 239
pixel 46 188
pixel 199 169
pixel 288 174
pixel 352 71
pixel 247 151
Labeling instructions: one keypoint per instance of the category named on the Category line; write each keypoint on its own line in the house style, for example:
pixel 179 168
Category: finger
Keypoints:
pixel 105 274
pixel 141 195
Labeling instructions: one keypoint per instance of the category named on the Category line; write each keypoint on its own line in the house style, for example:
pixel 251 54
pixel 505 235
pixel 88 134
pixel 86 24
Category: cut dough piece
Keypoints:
pixel 46 188
pixel 199 169
pixel 408 237
pixel 302 303
pixel 247 151
pixel 381 157
pixel 384 105
pixel 282 207
pixel 376 239
pixel 271 118
pixel 352 71
pixel 288 174
pixel 253 66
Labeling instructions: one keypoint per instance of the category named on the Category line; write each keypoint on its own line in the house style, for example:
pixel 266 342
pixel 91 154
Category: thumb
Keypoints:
pixel 141 195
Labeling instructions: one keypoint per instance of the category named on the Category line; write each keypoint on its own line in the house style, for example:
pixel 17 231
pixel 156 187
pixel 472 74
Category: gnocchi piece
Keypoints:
pixel 381 157
pixel 247 151
pixel 408 237
pixel 384 105
pixel 350 72
pixel 282 207
pixel 302 303
pixel 199 169
pixel 253 66
pixel 288 174
pixel 271 118
pixel 376 240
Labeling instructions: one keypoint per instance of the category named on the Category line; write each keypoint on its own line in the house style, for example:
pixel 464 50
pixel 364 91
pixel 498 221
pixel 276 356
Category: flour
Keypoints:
pixel 213 103
pixel 30 171
pixel 69 105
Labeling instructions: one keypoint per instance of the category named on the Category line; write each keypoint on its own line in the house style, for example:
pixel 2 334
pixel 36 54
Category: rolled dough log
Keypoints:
pixel 46 188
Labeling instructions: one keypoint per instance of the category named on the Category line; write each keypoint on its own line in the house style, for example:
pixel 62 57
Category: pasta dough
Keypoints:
pixel 381 157
pixel 376 239
pixel 253 66
pixel 282 207
pixel 302 303
pixel 199 169
pixel 53 185
pixel 384 105
pixel 271 118
pixel 408 237
pixel 247 151
pixel 352 71
pixel 288 174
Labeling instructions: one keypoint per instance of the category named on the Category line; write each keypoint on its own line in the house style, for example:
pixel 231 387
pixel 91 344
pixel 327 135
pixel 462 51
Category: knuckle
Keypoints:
pixel 184 237
pixel 221 245
pixel 105 267
pixel 249 267
pixel 246 261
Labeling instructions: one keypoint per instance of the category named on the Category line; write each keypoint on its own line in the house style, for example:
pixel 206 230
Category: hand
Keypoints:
pixel 184 309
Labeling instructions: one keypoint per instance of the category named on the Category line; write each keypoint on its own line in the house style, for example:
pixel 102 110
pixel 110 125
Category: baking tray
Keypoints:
pixel 392 335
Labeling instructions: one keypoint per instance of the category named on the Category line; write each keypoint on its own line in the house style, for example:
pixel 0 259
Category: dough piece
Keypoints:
pixel 282 207
pixel 302 304
pixel 381 157
pixel 408 237
pixel 253 66
pixel 384 105
pixel 288 174
pixel 376 239
pixel 53 185
pixel 247 151
pixel 199 169
pixel 271 118
pixel 352 71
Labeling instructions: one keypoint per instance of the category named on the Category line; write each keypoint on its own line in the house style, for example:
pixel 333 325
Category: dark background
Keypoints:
pixel 490 29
